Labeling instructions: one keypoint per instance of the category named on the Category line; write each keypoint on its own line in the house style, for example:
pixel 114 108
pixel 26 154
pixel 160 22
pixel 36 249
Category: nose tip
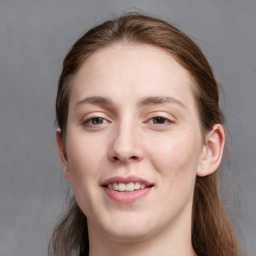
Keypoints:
pixel 125 147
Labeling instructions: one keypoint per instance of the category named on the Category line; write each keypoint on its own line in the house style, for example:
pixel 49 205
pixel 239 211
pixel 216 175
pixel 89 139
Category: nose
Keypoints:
pixel 126 146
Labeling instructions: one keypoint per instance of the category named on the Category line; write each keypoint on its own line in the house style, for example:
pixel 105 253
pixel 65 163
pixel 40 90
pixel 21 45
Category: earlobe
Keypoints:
pixel 212 151
pixel 62 154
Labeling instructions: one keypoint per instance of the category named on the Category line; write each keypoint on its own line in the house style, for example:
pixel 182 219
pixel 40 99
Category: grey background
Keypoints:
pixel 34 38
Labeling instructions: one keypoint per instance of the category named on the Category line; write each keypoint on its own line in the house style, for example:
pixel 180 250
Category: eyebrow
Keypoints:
pixel 153 100
pixel 95 100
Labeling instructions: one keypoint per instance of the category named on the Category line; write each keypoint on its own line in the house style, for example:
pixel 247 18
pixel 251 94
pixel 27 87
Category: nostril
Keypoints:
pixel 115 158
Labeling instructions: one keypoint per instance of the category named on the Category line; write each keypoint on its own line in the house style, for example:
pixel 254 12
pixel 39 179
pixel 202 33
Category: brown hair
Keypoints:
pixel 212 232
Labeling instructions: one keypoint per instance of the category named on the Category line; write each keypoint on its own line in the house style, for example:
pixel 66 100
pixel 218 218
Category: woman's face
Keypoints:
pixel 133 144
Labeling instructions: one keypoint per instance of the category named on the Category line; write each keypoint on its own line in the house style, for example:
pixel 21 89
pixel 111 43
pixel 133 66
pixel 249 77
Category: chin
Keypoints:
pixel 129 229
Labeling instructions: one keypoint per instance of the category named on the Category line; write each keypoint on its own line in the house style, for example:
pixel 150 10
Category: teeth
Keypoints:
pixel 126 187
pixel 130 186
pixel 121 187
pixel 115 186
pixel 137 185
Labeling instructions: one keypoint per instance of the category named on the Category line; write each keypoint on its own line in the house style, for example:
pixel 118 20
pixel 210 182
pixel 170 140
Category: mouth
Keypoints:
pixel 129 187
pixel 126 189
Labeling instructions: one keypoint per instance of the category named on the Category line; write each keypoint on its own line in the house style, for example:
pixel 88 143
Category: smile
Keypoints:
pixel 122 187
pixel 126 189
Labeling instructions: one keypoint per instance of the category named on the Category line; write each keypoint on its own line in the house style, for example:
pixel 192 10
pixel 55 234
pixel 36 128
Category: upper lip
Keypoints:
pixel 126 180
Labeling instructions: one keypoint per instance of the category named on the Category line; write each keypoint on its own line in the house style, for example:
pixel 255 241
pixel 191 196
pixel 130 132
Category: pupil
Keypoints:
pixel 159 120
pixel 97 120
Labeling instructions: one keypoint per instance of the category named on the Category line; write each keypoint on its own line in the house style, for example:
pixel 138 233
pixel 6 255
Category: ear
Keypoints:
pixel 212 151
pixel 62 154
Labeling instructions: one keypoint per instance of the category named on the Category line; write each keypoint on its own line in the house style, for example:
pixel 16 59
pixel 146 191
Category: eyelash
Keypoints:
pixel 160 118
pixel 89 122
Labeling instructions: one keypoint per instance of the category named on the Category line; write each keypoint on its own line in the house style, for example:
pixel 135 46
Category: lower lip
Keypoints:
pixel 126 197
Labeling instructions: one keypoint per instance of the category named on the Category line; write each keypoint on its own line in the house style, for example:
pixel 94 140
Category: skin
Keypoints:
pixel 129 139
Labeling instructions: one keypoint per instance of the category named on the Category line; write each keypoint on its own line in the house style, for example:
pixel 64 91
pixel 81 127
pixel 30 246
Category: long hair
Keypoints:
pixel 212 231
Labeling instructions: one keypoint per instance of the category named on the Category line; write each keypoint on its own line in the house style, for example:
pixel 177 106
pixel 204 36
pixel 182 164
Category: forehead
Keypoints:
pixel 140 70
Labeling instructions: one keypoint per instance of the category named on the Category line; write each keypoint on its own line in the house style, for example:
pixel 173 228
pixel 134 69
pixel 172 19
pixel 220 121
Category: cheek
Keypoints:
pixel 177 156
pixel 85 161
pixel 175 161
pixel 84 157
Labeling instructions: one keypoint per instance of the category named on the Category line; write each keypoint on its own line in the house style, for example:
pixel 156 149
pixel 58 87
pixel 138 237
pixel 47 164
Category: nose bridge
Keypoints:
pixel 125 144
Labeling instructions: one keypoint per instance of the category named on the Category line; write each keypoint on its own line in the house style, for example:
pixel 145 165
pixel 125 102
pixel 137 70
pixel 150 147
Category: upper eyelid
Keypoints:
pixel 94 115
pixel 164 115
pixel 168 121
pixel 146 117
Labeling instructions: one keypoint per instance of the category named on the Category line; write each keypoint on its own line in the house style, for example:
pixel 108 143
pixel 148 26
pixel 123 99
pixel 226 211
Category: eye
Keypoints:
pixel 159 120
pixel 95 121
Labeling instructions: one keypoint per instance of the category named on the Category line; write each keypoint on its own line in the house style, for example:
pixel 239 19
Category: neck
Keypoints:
pixel 174 242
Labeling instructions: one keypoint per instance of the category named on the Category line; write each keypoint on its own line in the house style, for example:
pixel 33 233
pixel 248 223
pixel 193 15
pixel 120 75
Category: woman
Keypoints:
pixel 140 138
